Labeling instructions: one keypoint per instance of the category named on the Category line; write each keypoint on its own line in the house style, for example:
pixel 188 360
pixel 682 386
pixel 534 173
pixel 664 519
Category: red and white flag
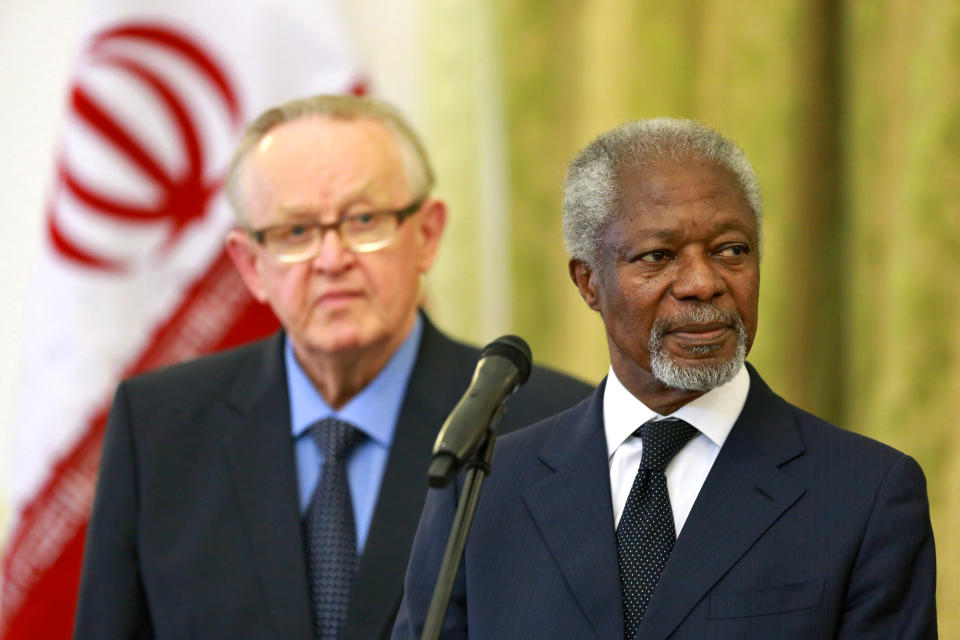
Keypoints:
pixel 133 275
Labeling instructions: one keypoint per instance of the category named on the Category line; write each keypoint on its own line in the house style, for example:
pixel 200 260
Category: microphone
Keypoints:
pixel 504 365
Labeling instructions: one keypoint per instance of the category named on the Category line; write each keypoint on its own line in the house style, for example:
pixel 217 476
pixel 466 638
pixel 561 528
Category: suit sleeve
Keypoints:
pixel 112 603
pixel 424 566
pixel 892 586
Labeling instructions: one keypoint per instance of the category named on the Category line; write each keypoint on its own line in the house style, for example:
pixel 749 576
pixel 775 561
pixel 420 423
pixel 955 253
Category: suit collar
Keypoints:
pixel 767 421
pixel 257 446
pixel 574 515
pixel 744 493
pixel 575 430
pixel 260 375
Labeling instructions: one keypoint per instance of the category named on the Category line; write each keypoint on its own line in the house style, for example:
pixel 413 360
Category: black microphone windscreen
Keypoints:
pixel 514 349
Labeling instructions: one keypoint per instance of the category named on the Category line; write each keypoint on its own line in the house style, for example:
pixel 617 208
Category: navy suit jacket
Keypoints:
pixel 196 531
pixel 801 530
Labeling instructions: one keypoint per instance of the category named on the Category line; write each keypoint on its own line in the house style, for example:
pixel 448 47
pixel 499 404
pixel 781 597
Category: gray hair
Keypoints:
pixel 337 107
pixel 591 190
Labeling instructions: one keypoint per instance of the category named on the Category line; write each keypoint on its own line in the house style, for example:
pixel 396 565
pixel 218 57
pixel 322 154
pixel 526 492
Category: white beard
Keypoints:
pixel 696 377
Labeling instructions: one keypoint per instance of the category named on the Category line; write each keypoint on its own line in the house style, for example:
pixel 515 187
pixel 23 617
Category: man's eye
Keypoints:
pixel 295 230
pixel 363 220
pixel 734 251
pixel 658 255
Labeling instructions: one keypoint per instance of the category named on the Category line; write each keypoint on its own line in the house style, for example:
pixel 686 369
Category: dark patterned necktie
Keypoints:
pixel 331 534
pixel 646 533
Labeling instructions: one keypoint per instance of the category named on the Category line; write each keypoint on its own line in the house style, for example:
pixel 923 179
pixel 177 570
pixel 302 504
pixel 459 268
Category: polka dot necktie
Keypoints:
pixel 646 534
pixel 330 532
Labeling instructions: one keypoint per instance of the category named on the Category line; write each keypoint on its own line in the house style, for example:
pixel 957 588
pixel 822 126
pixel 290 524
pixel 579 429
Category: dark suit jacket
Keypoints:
pixel 195 531
pixel 801 530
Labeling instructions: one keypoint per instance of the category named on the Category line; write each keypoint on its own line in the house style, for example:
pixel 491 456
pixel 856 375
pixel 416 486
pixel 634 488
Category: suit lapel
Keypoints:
pixel 573 512
pixel 259 452
pixel 439 377
pixel 742 496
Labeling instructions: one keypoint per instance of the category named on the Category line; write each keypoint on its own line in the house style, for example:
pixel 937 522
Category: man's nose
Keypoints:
pixel 333 255
pixel 698 279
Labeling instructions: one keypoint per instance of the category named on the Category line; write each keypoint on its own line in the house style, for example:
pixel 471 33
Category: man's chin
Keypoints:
pixel 335 339
pixel 695 372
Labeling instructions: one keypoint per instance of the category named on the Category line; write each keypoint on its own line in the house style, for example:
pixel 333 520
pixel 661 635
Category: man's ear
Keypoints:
pixel 432 221
pixel 246 259
pixel 586 281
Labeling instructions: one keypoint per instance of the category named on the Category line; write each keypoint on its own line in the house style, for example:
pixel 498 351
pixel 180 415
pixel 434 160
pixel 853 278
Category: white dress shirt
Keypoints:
pixel 712 414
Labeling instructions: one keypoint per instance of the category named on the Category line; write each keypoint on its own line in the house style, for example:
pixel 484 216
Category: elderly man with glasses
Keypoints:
pixel 273 491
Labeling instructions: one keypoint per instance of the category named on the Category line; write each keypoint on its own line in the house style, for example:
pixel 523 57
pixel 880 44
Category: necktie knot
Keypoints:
pixel 662 440
pixel 335 438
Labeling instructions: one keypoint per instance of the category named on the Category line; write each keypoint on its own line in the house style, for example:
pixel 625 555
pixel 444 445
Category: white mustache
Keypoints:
pixel 701 314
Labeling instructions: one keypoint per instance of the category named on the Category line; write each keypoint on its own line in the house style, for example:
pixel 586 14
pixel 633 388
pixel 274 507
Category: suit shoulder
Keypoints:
pixel 775 425
pixel 188 386
pixel 547 380
pixel 546 392
pixel 846 451
pixel 191 402
pixel 542 379
pixel 816 431
pixel 201 370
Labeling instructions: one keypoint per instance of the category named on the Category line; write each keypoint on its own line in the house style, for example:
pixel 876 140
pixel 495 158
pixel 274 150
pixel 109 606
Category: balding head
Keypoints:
pixel 335 107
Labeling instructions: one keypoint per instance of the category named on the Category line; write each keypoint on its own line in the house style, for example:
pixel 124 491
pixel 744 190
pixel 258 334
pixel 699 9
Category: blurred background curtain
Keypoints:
pixel 850 113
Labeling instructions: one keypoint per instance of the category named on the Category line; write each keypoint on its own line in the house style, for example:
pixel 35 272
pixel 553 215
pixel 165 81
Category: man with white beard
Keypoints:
pixel 684 498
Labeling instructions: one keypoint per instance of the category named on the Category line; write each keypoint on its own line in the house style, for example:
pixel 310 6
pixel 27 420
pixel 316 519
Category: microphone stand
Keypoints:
pixel 477 468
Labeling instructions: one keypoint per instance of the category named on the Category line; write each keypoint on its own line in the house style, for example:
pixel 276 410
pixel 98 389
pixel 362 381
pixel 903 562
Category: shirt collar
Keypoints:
pixel 374 410
pixel 712 414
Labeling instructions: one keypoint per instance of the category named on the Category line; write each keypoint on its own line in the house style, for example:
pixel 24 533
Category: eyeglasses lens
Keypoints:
pixel 361 233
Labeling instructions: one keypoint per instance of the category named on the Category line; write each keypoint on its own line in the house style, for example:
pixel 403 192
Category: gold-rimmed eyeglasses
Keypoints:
pixel 361 232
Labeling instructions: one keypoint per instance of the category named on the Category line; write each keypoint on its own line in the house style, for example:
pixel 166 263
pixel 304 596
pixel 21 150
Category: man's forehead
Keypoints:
pixel 316 161
pixel 662 200
pixel 670 182
pixel 314 138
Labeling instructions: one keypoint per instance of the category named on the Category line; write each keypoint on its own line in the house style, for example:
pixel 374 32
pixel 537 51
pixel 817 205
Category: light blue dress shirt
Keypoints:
pixel 374 411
